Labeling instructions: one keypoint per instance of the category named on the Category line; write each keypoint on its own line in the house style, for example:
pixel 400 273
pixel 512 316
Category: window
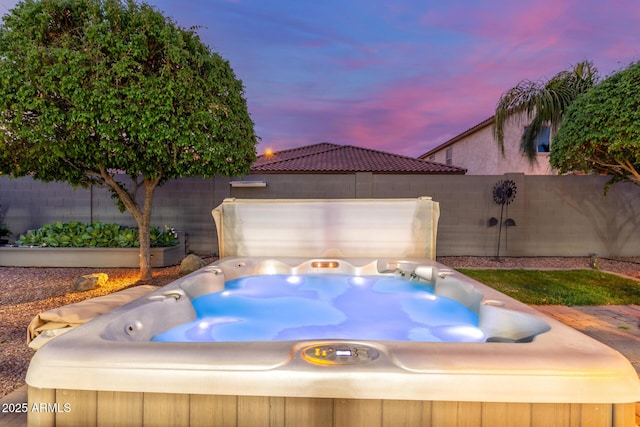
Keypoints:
pixel 449 155
pixel 543 141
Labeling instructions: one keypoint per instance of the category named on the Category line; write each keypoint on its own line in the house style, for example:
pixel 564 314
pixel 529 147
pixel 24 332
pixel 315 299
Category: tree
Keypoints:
pixel 542 104
pixel 601 130
pixel 97 90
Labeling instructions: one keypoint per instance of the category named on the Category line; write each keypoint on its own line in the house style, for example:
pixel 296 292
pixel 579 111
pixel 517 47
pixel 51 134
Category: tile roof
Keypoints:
pixel 326 157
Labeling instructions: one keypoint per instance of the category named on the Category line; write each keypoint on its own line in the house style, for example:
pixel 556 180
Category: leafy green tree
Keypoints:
pixel 95 91
pixel 601 130
pixel 542 104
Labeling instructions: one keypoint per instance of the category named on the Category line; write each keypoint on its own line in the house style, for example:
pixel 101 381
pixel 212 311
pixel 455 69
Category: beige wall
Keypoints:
pixel 554 215
pixel 480 155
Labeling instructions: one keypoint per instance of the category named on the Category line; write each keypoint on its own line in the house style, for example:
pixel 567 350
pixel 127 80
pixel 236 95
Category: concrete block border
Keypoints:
pixel 23 256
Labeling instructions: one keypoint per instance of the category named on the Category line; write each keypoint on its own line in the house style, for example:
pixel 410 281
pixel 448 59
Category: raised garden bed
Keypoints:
pixel 95 245
pixel 22 256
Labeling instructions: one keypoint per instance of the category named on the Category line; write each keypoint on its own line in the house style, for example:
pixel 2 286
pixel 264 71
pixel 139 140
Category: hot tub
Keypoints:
pixel 529 369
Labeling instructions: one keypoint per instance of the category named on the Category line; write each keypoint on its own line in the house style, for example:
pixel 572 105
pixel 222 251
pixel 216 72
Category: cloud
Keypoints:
pixel 396 117
pixel 409 111
pixel 398 76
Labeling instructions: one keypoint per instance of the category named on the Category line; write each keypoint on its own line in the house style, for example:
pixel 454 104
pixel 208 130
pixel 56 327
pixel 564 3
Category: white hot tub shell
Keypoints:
pixel 531 367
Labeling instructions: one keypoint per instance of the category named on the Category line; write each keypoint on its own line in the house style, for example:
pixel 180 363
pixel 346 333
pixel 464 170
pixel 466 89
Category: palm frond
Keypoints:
pixel 541 104
pixel 517 100
pixel 529 141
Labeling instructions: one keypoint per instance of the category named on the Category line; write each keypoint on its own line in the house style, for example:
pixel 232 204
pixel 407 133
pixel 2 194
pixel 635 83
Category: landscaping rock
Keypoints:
pixel 191 263
pixel 89 282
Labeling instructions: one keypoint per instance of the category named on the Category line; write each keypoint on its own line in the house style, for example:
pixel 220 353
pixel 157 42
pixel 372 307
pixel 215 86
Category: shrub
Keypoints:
pixel 4 230
pixel 96 235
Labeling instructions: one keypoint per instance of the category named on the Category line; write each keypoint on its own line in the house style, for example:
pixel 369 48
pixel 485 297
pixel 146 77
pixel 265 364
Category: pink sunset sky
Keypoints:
pixel 401 76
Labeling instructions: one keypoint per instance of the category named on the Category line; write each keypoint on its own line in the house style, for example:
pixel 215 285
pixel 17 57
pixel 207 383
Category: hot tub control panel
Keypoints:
pixel 339 353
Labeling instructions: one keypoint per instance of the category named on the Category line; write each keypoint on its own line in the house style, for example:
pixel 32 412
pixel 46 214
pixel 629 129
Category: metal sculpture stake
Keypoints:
pixel 504 192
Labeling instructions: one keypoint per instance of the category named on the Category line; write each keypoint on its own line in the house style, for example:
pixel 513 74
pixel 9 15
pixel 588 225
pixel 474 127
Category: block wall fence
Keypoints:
pixel 553 215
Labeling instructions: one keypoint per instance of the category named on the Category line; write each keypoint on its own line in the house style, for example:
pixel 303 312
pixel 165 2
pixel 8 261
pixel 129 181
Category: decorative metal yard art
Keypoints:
pixel 504 192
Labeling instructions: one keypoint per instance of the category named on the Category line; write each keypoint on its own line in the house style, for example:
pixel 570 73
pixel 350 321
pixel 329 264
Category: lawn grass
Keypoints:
pixel 564 287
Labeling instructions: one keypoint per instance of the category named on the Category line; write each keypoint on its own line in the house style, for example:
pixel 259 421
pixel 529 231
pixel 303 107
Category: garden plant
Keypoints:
pixel 96 235
pixel 113 94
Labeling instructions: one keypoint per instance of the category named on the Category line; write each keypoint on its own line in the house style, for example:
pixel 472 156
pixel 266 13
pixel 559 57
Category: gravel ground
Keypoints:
pixel 25 292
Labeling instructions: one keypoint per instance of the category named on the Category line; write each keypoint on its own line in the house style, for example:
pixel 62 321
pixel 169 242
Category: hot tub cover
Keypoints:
pixel 54 322
pixel 328 227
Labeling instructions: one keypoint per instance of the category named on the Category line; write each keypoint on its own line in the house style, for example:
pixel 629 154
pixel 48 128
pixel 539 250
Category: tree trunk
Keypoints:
pixel 141 216
pixel 143 229
pixel 145 251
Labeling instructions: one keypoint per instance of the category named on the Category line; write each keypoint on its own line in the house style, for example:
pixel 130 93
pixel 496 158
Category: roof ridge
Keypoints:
pixel 402 156
pixel 388 153
pixel 338 147
pixel 301 155
pixel 326 156
pixel 306 147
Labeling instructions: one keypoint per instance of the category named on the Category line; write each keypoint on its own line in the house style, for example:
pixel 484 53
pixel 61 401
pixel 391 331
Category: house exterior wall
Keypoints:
pixel 478 152
pixel 554 215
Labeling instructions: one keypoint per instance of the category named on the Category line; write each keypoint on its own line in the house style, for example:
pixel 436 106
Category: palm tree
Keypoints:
pixel 544 104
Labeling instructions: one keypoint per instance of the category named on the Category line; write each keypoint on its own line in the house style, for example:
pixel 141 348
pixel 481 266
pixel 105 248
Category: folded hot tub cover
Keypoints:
pixel 57 321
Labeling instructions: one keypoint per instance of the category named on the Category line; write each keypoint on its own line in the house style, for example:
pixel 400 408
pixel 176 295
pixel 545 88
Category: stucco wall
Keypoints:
pixel 554 215
pixel 480 155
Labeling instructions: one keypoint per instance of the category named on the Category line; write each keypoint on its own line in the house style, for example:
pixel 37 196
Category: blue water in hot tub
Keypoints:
pixel 328 306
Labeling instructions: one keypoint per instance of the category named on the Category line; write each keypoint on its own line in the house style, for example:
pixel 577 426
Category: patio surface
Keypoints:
pixel 617 326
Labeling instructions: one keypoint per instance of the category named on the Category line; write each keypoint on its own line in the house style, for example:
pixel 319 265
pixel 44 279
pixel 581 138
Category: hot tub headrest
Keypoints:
pixel 327 227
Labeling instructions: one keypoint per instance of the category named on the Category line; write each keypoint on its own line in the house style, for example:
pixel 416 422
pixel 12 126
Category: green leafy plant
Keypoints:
pixel 542 103
pixel 95 235
pixel 601 130
pixel 115 95
pixel 4 230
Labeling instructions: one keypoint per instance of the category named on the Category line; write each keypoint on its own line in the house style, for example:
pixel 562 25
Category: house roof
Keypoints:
pixel 457 138
pixel 326 157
